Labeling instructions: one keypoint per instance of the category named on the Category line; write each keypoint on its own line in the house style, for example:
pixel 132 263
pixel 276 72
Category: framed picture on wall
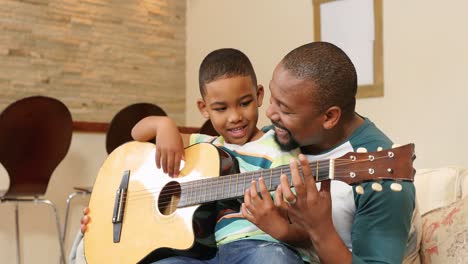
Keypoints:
pixel 356 27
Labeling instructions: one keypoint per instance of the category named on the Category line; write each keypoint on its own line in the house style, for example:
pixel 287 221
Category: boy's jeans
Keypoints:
pixel 245 252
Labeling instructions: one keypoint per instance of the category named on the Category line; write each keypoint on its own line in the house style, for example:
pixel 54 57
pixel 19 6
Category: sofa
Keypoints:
pixel 442 196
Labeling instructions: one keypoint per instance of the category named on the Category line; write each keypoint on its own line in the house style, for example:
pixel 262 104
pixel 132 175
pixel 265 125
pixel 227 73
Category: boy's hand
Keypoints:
pixel 85 220
pixel 169 148
pixel 263 213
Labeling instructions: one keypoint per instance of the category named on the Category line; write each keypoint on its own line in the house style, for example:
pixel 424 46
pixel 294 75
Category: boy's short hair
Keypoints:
pixel 224 63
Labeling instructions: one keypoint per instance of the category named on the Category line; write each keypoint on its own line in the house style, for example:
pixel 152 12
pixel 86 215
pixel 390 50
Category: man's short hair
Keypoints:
pixel 330 69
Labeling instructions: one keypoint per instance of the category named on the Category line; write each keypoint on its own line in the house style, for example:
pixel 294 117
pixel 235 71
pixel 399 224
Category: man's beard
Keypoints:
pixel 290 145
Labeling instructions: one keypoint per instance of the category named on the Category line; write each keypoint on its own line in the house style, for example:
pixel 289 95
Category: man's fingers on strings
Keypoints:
pixel 325 186
pixel 306 170
pixel 253 190
pixel 287 193
pixel 296 178
pixel 263 189
pixel 279 197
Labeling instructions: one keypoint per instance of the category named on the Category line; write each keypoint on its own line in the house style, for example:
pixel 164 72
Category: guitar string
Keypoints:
pixel 245 175
pixel 169 192
pixel 198 184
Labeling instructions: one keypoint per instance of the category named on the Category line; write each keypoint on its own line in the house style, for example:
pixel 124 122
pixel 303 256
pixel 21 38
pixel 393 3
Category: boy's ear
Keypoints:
pixel 260 94
pixel 202 108
pixel 332 117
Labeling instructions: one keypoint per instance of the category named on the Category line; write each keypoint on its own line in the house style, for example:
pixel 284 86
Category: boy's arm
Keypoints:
pixel 169 142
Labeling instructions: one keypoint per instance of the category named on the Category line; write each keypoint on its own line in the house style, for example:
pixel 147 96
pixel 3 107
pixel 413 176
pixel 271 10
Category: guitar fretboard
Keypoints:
pixel 234 185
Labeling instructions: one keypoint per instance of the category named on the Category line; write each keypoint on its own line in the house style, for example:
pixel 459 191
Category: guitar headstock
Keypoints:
pixel 390 164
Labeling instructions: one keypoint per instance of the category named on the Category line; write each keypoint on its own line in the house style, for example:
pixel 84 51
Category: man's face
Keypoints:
pixel 297 120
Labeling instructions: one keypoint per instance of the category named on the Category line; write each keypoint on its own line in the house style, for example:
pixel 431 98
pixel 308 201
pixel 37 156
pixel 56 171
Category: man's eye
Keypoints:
pixel 220 109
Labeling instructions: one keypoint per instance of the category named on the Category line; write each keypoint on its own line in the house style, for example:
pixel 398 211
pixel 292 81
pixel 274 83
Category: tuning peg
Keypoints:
pixel 361 150
pixel 396 187
pixel 377 187
pixel 379 149
pixel 359 190
pixel 396 145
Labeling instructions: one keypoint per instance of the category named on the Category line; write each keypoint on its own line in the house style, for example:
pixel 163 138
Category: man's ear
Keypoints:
pixel 202 108
pixel 332 117
pixel 260 94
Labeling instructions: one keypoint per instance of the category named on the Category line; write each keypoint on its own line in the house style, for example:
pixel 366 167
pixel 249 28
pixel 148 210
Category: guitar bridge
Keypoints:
pixel 119 206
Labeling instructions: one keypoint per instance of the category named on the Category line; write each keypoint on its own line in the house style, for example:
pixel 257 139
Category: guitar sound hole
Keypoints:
pixel 169 198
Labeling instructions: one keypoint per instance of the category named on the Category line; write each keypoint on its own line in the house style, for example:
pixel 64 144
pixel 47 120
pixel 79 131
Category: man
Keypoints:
pixel 312 106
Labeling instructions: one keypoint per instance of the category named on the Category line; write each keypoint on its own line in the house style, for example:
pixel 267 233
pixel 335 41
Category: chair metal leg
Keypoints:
pixel 67 209
pixel 18 253
pixel 57 221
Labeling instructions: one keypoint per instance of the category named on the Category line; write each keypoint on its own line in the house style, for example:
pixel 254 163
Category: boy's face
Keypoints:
pixel 232 106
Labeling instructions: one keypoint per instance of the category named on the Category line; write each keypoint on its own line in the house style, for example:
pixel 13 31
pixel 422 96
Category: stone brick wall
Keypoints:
pixel 97 56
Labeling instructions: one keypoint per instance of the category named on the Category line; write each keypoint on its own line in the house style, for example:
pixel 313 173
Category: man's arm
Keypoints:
pixel 382 223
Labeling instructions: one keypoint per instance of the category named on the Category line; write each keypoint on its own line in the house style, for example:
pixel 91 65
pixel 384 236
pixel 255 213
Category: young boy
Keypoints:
pixel 230 99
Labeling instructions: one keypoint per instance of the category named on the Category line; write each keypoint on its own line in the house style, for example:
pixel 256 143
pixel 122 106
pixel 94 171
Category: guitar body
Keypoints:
pixel 150 219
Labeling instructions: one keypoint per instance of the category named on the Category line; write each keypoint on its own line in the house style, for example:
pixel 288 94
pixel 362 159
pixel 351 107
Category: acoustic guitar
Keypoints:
pixel 137 209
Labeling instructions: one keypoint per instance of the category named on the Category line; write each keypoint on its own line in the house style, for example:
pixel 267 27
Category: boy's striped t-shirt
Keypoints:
pixel 263 153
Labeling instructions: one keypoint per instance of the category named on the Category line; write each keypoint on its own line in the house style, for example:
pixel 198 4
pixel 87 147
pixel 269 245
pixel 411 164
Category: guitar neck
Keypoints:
pixel 234 185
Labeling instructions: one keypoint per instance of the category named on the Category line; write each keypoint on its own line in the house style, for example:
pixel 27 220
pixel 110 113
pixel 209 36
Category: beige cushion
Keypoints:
pixel 464 183
pixel 436 188
pixel 445 234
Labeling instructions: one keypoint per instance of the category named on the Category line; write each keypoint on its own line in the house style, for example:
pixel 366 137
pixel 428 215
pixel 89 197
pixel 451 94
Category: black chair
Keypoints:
pixel 208 129
pixel 118 133
pixel 35 135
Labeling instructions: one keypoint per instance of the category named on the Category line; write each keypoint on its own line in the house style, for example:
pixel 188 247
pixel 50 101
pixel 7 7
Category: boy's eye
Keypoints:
pixel 246 103
pixel 219 109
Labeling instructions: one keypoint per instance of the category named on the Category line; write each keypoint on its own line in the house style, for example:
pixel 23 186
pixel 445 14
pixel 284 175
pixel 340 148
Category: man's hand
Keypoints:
pixel 309 207
pixel 311 210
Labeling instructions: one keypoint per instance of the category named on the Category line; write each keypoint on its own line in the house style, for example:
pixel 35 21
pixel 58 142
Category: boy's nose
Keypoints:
pixel 235 116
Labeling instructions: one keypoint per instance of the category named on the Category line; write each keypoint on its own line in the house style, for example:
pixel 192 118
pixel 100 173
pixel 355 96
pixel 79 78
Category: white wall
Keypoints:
pixel 426 80
pixel 425 64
